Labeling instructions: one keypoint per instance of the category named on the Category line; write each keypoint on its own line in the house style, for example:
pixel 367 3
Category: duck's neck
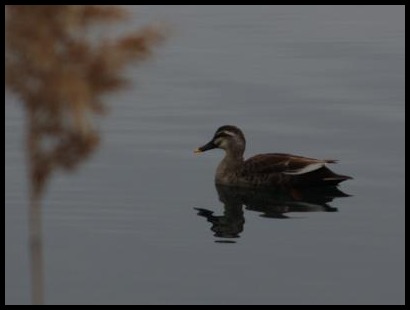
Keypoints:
pixel 229 167
pixel 233 157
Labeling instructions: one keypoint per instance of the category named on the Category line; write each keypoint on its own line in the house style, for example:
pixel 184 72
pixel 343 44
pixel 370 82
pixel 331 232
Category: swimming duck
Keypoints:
pixel 266 170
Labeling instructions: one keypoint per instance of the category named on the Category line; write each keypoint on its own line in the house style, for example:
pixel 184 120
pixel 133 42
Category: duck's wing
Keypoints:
pixel 300 171
pixel 283 163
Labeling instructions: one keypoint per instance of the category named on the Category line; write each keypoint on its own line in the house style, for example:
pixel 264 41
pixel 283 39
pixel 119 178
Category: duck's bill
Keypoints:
pixel 209 146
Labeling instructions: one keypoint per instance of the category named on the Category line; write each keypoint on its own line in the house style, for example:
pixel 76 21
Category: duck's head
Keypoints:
pixel 229 138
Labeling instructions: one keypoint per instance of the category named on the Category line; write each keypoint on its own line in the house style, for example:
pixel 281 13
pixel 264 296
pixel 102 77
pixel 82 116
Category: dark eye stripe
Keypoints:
pixel 224 134
pixel 221 135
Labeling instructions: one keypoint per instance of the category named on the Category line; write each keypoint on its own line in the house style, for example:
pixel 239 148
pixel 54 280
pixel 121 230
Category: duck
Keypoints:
pixel 278 170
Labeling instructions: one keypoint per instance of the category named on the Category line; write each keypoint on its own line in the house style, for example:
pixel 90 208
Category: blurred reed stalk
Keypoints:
pixel 60 75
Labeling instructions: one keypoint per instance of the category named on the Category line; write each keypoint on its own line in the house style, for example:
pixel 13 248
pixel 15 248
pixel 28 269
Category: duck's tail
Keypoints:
pixel 322 177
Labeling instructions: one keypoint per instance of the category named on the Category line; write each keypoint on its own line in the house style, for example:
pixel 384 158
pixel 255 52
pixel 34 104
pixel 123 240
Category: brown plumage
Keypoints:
pixel 266 170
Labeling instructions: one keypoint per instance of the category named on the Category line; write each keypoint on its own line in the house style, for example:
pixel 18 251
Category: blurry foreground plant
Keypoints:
pixel 61 75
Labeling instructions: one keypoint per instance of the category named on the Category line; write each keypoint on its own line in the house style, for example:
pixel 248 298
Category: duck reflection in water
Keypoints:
pixel 271 204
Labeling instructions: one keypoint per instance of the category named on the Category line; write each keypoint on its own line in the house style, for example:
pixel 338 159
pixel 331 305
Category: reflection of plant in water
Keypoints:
pixel 61 76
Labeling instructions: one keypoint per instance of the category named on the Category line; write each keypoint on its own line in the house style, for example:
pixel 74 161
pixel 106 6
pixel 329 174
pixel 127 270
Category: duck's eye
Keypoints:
pixel 218 140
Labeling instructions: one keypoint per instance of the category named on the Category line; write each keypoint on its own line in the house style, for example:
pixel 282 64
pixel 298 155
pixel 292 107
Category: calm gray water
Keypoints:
pixel 324 82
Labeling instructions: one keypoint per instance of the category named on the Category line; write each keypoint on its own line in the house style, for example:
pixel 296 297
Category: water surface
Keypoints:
pixel 324 82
